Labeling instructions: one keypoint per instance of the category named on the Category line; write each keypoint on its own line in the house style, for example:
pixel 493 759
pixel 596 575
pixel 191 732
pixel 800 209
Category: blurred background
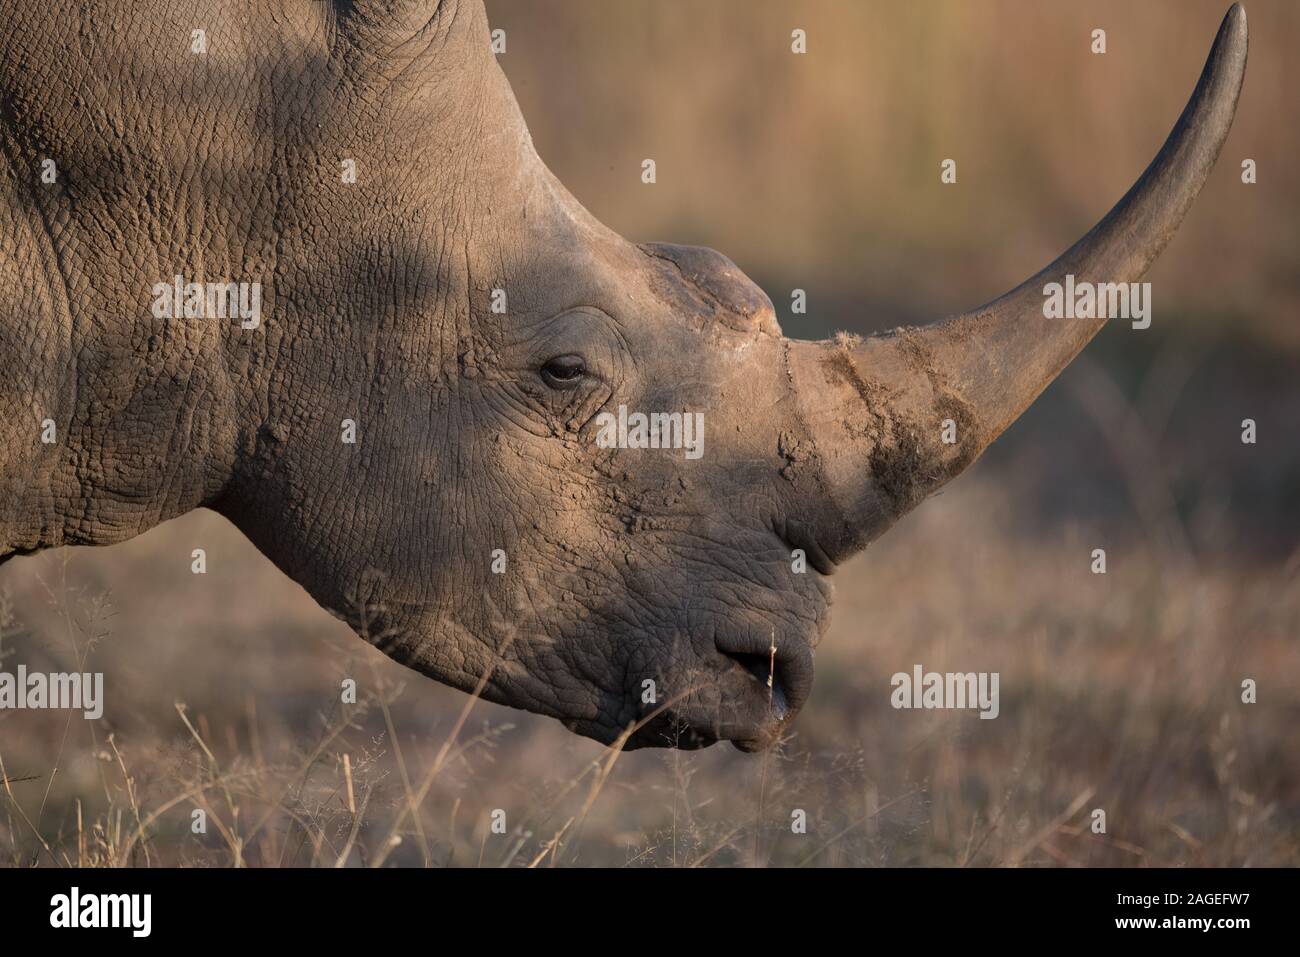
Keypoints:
pixel 1119 692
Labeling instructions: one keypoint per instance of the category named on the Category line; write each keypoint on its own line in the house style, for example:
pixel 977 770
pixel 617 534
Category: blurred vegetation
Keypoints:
pixel 1118 691
pixel 821 171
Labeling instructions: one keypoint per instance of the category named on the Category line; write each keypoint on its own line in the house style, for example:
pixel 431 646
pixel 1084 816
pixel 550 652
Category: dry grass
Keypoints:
pixel 1118 691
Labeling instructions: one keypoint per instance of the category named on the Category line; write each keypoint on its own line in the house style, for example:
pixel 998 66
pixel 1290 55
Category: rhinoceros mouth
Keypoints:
pixel 749 700
pixel 753 687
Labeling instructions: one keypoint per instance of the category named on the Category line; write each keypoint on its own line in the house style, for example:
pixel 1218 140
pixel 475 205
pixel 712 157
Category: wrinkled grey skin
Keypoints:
pixel 622 565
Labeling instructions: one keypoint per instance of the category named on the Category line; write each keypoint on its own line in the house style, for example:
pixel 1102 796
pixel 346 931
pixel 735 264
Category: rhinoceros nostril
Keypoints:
pixel 767 671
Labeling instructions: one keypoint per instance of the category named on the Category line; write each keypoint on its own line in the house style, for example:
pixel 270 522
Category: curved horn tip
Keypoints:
pixel 1231 41
pixel 1236 16
pixel 1233 30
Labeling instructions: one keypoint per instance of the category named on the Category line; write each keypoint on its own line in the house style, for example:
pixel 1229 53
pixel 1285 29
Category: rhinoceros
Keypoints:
pixel 298 262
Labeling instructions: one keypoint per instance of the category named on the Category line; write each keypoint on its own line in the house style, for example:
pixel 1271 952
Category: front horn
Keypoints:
pixel 897 415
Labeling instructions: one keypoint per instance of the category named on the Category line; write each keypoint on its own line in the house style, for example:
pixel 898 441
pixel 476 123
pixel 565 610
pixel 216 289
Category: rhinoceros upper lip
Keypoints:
pixel 796 534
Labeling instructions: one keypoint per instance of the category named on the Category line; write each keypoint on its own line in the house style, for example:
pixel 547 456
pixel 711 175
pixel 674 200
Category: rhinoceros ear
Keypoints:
pixel 706 286
pixel 406 13
pixel 407 30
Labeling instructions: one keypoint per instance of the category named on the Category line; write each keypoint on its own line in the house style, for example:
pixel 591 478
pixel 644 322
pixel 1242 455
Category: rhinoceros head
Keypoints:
pixel 523 455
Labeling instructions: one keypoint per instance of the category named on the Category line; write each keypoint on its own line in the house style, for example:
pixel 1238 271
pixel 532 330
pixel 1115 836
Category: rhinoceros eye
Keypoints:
pixel 564 372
